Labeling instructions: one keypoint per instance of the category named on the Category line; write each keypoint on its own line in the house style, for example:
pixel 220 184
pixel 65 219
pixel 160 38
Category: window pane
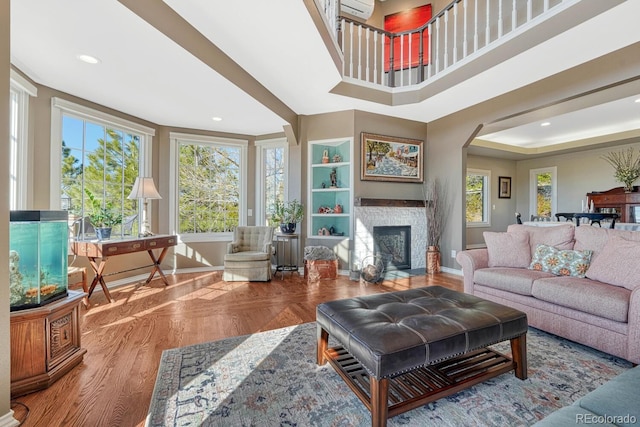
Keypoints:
pixel 274 179
pixel 14 139
pixel 104 161
pixel 209 188
pixel 476 198
pixel 544 189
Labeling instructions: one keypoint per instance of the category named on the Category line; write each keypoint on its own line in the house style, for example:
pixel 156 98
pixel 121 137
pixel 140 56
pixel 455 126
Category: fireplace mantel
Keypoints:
pixel 389 203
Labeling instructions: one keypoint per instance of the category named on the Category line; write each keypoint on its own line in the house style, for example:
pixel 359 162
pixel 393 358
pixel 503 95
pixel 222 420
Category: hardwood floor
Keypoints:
pixel 125 339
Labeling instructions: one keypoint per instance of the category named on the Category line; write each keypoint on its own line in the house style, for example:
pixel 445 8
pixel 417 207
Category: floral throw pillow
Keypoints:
pixel 561 262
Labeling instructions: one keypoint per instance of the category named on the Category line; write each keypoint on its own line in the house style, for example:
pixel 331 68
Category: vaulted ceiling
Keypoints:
pixel 253 64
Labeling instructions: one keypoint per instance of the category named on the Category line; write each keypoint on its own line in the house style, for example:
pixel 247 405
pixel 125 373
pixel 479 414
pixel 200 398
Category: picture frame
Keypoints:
pixel 504 187
pixel 392 159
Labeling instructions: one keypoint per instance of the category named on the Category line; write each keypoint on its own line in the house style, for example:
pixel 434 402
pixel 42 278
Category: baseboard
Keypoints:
pixel 7 420
pixel 451 271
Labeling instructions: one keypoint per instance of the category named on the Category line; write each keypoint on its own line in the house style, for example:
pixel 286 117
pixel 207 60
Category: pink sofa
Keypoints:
pixel 601 310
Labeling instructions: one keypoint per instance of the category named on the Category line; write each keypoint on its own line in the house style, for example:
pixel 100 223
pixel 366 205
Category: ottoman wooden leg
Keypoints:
pixel 323 343
pixel 379 407
pixel 519 355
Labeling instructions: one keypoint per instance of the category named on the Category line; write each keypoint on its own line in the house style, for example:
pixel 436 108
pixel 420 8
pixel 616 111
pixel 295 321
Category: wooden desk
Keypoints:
pixel 99 252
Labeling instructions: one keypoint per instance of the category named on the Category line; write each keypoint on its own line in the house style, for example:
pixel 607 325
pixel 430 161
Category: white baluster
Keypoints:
pixel 465 30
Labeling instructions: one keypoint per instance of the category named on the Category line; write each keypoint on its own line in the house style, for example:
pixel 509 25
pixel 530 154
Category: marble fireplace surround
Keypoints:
pixel 369 213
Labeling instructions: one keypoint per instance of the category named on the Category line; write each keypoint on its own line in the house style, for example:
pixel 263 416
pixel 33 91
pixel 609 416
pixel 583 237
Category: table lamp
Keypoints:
pixel 144 189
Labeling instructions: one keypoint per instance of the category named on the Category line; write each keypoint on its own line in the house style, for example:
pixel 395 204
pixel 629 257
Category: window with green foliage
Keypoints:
pixel 99 154
pixel 478 197
pixel 271 172
pixel 210 191
pixel 543 191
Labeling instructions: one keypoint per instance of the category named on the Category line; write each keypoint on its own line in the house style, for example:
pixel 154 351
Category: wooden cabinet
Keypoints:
pixel 45 344
pixel 617 201
pixel 331 193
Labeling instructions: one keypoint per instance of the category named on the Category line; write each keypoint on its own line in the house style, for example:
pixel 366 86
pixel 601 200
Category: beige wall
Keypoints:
pixel 5 356
pixel 502 210
pixel 577 175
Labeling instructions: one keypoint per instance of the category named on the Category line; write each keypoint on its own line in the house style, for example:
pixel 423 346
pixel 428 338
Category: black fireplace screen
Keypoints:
pixel 393 244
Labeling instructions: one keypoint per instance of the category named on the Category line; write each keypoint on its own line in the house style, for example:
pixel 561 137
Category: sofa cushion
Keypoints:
pixel 558 236
pixel 589 296
pixel 561 262
pixel 595 238
pixel 507 249
pixel 617 263
pixel 516 280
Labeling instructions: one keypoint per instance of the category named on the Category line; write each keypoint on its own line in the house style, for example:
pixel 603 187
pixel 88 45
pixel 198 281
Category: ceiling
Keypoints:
pixel 155 66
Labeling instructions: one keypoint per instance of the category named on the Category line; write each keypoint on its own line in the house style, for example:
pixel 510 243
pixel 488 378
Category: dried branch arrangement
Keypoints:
pixel 435 199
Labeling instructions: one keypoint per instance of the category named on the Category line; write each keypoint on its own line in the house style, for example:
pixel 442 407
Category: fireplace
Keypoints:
pixel 393 245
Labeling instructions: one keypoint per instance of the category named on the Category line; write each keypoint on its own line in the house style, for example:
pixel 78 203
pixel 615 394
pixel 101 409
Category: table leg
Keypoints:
pixel 519 355
pixel 156 266
pixel 98 268
pixel 323 343
pixel 379 406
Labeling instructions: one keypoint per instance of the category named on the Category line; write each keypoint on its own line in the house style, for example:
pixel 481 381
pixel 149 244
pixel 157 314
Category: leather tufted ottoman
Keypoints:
pixel 400 350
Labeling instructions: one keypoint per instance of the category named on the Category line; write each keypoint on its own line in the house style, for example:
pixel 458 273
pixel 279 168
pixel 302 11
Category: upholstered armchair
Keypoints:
pixel 248 256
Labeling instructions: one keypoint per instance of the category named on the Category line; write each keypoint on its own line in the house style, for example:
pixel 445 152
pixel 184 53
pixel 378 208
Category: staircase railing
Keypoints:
pixel 463 29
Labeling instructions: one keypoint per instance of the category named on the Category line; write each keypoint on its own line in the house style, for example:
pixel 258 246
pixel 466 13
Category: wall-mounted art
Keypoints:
pixel 389 158
pixel 411 19
pixel 504 187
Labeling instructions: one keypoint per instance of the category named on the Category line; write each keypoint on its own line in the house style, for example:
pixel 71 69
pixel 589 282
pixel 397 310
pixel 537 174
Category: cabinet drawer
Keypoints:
pixel 609 199
pixel 123 247
pixel 161 242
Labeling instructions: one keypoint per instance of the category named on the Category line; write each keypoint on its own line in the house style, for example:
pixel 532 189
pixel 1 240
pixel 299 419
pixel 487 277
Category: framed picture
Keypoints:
pixel 404 21
pixel 388 158
pixel 504 187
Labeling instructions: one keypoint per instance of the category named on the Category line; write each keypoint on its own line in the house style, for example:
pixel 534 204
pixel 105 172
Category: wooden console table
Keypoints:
pixel 99 251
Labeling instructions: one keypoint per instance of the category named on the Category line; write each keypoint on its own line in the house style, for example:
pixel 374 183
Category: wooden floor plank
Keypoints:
pixel 125 339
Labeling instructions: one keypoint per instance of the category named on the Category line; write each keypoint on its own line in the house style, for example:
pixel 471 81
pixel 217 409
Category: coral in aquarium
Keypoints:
pixel 15 278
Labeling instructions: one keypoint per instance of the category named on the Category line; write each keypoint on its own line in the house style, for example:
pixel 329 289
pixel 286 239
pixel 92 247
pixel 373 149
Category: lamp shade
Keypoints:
pixel 144 188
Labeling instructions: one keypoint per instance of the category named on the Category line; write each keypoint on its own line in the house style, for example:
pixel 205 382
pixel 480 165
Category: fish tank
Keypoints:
pixel 38 249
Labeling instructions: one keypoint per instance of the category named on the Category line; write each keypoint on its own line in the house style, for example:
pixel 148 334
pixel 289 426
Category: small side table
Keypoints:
pixel 287 248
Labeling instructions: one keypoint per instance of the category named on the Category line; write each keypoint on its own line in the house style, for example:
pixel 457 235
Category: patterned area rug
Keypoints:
pixel 271 379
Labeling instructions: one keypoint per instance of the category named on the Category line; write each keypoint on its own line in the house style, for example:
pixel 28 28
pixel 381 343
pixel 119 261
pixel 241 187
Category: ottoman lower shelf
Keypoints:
pixel 422 385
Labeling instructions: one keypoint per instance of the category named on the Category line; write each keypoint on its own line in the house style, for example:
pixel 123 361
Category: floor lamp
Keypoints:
pixel 144 189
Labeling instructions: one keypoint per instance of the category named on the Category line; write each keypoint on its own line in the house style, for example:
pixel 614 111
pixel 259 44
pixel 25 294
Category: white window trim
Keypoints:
pixel 260 172
pixel 486 207
pixel 533 189
pixel 174 139
pixel 60 106
pixel 24 90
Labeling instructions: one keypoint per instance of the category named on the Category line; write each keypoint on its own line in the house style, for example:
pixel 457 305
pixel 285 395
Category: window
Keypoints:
pixel 272 160
pixel 19 92
pixel 478 198
pixel 210 194
pixel 543 191
pixel 101 155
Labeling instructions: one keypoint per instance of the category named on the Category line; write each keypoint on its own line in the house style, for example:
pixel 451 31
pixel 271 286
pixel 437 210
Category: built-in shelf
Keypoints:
pixel 325 194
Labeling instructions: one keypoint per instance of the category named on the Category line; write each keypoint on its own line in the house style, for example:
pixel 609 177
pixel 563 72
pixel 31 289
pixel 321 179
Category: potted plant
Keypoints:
pixel 287 215
pixel 626 168
pixel 102 217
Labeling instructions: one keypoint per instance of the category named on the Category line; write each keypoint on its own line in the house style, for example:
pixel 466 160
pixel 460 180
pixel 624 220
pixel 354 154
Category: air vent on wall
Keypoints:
pixel 359 8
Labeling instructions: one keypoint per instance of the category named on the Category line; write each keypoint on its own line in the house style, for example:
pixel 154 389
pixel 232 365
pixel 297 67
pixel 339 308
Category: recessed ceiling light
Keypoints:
pixel 638 100
pixel 216 119
pixel 88 59
pixel 545 124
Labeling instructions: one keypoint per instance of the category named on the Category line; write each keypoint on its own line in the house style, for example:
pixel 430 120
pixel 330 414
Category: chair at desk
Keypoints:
pixel 81 229
pixel 567 217
pixel 518 218
pixel 127 224
pixel 540 218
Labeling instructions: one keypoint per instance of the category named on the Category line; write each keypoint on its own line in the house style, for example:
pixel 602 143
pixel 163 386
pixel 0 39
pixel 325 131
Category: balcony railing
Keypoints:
pixel 461 30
